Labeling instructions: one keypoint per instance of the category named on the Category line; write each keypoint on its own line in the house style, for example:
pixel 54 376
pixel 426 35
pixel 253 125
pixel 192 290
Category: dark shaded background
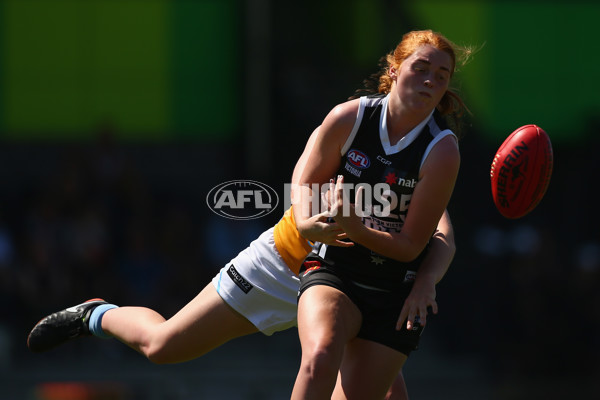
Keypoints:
pixel 117 213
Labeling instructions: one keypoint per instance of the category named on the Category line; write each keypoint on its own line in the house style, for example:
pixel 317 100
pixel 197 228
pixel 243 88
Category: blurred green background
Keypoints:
pixel 166 70
pixel 117 117
pixel 145 65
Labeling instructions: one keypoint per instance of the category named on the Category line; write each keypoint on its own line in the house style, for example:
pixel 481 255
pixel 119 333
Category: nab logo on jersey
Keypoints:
pixel 358 159
pixel 242 200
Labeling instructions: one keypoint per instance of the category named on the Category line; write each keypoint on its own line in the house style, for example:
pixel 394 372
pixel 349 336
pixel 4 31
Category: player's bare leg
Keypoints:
pixel 398 389
pixel 361 377
pixel 203 324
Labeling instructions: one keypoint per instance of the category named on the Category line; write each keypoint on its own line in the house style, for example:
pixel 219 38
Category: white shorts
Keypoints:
pixel 260 286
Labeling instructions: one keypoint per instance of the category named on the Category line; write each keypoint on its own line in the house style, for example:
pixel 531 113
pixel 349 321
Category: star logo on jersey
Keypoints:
pixel 377 260
pixel 391 178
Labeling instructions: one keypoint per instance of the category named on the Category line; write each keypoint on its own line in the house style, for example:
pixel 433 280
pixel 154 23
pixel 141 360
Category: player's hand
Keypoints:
pixel 340 207
pixel 418 304
pixel 318 229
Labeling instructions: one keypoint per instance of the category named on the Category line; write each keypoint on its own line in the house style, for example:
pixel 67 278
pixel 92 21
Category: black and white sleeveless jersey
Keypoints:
pixel 391 173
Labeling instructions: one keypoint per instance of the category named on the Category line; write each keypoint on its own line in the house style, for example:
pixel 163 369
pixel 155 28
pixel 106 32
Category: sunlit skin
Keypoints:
pixel 421 81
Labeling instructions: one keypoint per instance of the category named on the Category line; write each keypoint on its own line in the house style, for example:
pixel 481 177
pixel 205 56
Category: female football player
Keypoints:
pixel 362 308
pixel 256 291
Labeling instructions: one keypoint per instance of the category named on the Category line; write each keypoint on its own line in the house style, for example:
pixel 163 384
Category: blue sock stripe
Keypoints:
pixel 95 323
pixel 219 282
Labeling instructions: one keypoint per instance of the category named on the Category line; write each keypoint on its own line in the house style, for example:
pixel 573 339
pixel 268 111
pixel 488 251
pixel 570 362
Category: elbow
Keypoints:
pixel 410 254
pixel 451 245
pixel 415 250
pixel 452 249
pixel 447 241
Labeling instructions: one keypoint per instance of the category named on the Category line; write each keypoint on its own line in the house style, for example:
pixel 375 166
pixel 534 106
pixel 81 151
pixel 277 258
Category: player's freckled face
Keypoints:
pixel 423 78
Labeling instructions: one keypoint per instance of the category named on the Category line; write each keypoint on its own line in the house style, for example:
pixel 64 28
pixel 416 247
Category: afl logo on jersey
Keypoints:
pixel 358 159
pixel 242 200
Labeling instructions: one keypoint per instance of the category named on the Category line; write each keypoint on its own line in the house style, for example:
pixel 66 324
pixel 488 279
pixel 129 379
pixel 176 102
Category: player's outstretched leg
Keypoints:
pixel 205 323
pixel 62 326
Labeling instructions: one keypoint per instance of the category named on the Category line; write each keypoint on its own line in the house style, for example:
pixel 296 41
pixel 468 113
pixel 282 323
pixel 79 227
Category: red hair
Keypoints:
pixel 451 103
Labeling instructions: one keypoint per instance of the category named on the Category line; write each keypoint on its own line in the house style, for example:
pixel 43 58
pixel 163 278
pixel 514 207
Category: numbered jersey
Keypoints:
pixel 389 174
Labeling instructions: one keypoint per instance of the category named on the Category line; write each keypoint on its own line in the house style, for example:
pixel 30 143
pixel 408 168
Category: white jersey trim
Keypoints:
pixel 359 117
pixel 406 140
pixel 437 136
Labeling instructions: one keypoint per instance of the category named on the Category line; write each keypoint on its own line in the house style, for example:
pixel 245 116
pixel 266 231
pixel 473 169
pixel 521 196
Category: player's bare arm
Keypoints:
pixel 322 160
pixel 428 203
pixel 433 268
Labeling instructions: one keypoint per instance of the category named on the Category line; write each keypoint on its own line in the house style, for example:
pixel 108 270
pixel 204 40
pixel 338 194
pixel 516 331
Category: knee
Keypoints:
pixel 157 352
pixel 321 360
pixel 158 356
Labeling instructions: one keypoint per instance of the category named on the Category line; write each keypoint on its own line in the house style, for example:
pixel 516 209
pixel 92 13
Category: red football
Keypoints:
pixel 521 171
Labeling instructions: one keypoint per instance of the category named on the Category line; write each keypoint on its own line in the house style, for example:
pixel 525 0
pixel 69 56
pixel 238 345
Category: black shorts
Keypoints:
pixel 380 309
